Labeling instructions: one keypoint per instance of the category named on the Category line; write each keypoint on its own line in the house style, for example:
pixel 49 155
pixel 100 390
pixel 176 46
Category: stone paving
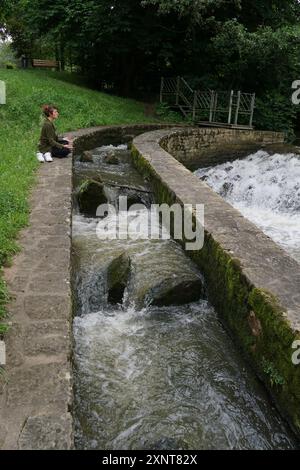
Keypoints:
pixel 36 388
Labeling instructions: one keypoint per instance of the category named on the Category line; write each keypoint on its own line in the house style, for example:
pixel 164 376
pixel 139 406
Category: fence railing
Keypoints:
pixel 224 107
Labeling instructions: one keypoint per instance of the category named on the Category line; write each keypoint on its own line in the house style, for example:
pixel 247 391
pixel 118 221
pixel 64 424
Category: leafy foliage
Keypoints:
pixel 265 61
pixel 167 114
pixel 7 56
pixel 273 374
pixel 275 113
pixel 220 44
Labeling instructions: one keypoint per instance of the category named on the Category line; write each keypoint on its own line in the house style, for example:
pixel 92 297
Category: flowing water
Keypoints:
pixel 155 377
pixel 266 190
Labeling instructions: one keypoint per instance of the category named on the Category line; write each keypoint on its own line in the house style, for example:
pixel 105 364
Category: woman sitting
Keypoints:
pixel 49 145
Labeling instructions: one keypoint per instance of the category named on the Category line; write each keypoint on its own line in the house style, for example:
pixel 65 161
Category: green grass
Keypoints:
pixel 20 122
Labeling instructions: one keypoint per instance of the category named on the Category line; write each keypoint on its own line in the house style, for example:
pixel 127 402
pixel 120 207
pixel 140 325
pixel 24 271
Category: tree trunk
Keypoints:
pixel 127 74
pixel 62 53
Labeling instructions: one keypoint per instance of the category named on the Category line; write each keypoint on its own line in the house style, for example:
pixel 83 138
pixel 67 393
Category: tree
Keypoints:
pixel 214 43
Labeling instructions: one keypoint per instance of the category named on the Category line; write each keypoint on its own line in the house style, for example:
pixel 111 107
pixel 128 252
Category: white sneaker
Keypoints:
pixel 40 157
pixel 48 157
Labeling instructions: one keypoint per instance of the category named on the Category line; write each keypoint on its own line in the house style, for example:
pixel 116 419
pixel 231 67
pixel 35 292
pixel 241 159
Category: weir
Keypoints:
pixel 154 367
pixel 265 189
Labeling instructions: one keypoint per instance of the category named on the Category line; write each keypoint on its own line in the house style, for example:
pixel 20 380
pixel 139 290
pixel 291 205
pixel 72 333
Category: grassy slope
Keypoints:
pixel 20 121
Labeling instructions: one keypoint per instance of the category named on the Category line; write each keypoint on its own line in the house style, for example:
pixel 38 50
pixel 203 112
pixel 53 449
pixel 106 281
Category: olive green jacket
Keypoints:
pixel 48 138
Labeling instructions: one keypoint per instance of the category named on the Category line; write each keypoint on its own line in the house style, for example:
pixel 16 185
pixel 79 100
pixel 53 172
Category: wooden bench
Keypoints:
pixel 46 63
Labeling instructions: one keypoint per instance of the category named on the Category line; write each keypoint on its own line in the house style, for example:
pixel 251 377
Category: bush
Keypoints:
pixel 164 111
pixel 7 56
pixel 275 112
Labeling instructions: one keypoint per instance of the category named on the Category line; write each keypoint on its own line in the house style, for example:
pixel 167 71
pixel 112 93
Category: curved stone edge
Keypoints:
pixel 90 138
pixel 251 281
pixel 196 148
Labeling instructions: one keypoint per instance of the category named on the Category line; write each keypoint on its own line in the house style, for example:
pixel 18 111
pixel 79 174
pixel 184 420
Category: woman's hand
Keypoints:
pixel 69 146
pixel 68 140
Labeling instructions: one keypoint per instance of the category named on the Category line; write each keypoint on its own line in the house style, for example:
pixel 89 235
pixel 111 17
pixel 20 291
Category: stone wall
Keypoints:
pixel 250 280
pixel 90 138
pixel 210 146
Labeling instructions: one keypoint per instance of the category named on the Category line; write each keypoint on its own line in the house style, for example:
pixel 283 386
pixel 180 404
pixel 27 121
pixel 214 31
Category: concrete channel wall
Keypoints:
pixel 251 281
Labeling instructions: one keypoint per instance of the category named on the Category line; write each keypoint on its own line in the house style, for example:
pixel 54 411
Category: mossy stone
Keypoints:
pixel 90 196
pixel 117 277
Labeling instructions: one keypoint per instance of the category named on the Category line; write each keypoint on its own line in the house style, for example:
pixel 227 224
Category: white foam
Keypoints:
pixel 266 190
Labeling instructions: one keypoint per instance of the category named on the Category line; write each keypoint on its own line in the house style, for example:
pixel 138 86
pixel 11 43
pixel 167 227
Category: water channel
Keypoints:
pixel 154 367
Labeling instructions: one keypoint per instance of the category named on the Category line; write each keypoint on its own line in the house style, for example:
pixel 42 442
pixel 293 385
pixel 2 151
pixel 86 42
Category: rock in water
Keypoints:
pixel 163 276
pixel 174 291
pixel 90 196
pixel 100 273
pixel 87 156
pixel 111 158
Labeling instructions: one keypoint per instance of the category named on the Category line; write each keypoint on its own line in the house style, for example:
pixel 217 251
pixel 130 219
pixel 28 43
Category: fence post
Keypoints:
pixel 194 105
pixel 215 105
pixel 2 92
pixel 177 90
pixel 252 109
pixel 211 106
pixel 230 107
pixel 237 107
pixel 161 90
